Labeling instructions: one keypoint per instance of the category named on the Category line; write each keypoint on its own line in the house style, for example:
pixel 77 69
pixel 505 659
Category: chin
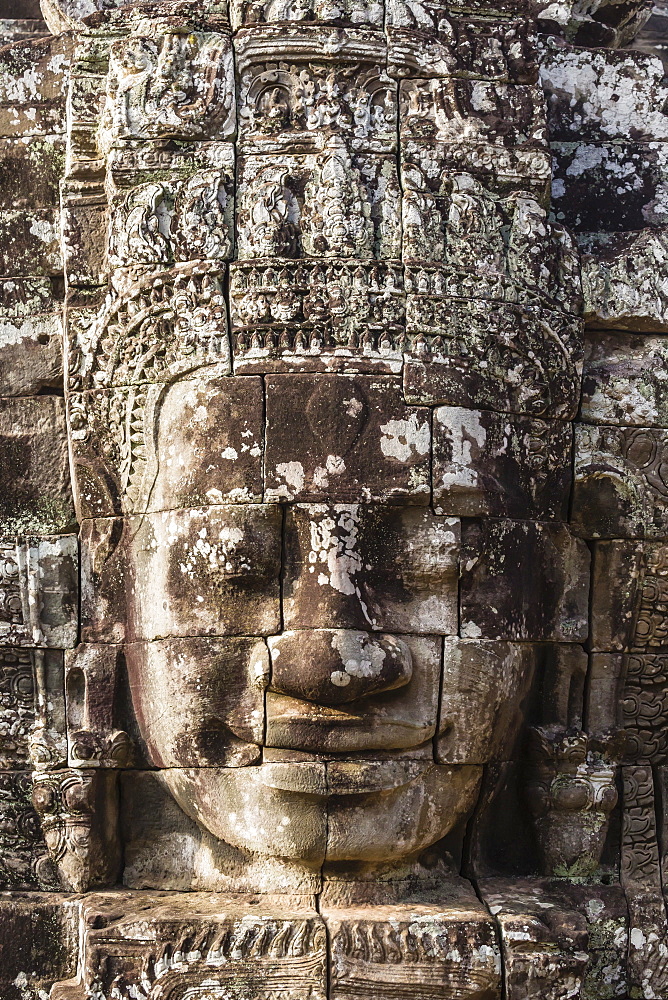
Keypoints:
pixel 377 811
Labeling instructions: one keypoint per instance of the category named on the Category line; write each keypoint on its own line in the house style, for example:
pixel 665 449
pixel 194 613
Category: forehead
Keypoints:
pixel 293 437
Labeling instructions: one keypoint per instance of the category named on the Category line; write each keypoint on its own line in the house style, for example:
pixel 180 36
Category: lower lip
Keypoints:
pixel 341 777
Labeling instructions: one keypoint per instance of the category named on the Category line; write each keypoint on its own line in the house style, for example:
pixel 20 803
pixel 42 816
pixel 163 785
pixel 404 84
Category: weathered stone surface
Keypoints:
pixel 37 944
pixel 30 337
pixel 304 110
pixel 235 549
pixel 621 281
pixel 629 609
pixel 578 77
pixel 610 187
pixel 595 22
pixel 623 380
pixel 358 440
pixel 36 494
pixel 483 688
pixel 500 465
pixel 618 489
pixel 222 682
pixel 167 206
pixel 448 945
pixel 421 41
pixel 32 86
pixel 560 939
pixel 336 666
pixel 280 945
pixel 507 358
pixel 39 591
pixel 570 791
pixel 92 679
pixel 365 566
pixel 21 841
pixel 522 580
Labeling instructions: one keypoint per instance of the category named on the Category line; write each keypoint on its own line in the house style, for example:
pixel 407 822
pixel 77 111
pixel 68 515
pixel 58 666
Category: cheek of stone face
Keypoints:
pixel 206 572
pixel 199 702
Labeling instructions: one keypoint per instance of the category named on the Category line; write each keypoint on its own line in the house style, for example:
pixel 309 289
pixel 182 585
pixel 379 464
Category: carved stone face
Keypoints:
pixel 325 406
pixel 293 617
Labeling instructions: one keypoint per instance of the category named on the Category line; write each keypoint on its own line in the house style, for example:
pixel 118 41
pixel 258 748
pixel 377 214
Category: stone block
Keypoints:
pixel 344 438
pixel 31 337
pixel 199 702
pixel 30 242
pixel 39 591
pixel 579 78
pixel 623 380
pixel 489 115
pixel 522 580
pixel 610 187
pixel 463 240
pixel 381 827
pixel 500 357
pixel 184 72
pixel 165 849
pixel 277 810
pixel 630 597
pixel 84 223
pixel 278 945
pixel 559 938
pixel 210 443
pixel 484 688
pixel 287 202
pixel 499 464
pixel 369 566
pixel 32 87
pixel 205 571
pixel 350 13
pixel 336 666
pixel 644 705
pixel 621 281
pixel 21 841
pixel 37 944
pixel 35 482
pixel 543 944
pixel 30 173
pixel 502 169
pixel 94 679
pixel 104 585
pixel 171 206
pixel 184 306
pixel 390 720
pixel 593 23
pixel 423 40
pixel 31 688
pixel 605 692
pixel 194 442
pixel 619 489
pixel 276 114
pixel 78 812
pixel 445 947
pixel 311 315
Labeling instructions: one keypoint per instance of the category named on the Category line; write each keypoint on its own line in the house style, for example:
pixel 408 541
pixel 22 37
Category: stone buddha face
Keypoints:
pixel 336 451
pixel 292 621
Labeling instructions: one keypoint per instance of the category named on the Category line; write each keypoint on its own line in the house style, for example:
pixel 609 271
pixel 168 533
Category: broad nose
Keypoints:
pixel 335 666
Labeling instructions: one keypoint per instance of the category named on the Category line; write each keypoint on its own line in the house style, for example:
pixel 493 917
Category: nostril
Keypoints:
pixel 335 666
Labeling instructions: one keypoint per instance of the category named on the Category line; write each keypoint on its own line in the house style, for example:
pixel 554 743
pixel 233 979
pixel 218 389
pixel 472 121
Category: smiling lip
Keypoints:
pixel 341 777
